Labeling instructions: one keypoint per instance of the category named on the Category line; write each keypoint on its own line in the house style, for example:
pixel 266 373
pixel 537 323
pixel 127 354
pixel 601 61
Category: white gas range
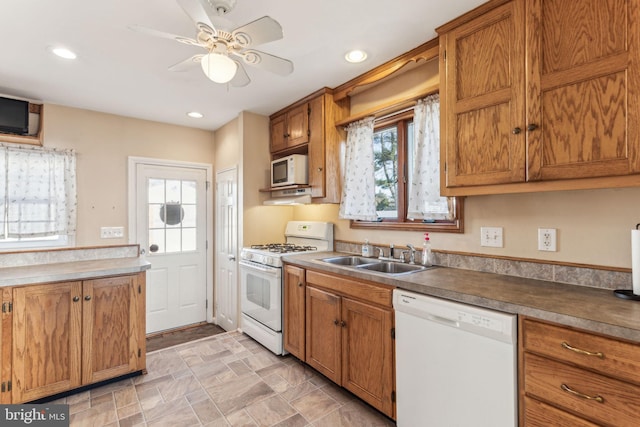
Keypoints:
pixel 261 279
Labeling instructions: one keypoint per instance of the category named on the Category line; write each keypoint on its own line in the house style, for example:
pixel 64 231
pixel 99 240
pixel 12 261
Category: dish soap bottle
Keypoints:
pixel 426 250
pixel 366 249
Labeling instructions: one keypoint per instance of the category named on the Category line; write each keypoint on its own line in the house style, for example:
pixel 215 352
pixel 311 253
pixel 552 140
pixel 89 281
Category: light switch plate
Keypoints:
pixel 491 236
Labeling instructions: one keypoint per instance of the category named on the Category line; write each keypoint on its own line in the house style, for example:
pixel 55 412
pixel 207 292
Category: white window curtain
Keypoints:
pixel 358 183
pixel 424 200
pixel 37 191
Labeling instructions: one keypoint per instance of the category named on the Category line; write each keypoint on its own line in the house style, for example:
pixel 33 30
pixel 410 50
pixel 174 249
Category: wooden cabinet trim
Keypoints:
pixel 355 288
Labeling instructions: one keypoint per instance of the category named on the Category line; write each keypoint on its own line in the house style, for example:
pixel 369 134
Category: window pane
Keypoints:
pixel 188 239
pixel 174 240
pixel 385 152
pixel 156 190
pixel 173 191
pixel 156 237
pixel 188 191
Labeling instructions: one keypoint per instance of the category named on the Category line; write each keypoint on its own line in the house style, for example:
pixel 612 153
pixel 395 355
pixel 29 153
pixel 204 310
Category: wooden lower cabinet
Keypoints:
pixel 294 295
pixel 572 377
pixel 70 334
pixel 349 328
pixel 6 299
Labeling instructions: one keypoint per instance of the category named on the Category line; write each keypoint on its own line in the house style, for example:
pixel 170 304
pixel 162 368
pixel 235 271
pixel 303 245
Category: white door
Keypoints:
pixel 227 249
pixel 171 230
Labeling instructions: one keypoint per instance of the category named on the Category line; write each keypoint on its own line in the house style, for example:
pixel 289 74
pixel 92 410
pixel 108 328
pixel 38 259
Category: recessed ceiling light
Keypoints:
pixel 356 56
pixel 63 52
pixel 195 115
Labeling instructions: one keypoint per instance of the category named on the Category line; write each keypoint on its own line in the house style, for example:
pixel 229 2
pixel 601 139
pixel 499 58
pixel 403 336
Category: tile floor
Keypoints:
pixel 224 380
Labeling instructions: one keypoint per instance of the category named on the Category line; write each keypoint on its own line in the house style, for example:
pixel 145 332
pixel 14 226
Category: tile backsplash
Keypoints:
pixel 39 257
pixel 573 275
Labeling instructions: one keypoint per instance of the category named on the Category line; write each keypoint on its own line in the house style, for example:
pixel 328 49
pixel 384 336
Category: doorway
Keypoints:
pixel 170 218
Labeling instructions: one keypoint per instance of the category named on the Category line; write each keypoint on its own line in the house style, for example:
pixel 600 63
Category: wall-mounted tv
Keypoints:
pixel 14 116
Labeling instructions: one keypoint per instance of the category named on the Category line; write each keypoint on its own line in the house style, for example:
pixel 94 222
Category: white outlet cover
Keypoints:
pixel 547 239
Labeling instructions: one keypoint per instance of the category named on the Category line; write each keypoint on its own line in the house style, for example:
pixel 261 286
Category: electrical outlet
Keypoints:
pixel 491 236
pixel 547 239
pixel 111 232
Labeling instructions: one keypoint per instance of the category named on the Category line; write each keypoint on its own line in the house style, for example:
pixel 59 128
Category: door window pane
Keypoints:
pixel 172 215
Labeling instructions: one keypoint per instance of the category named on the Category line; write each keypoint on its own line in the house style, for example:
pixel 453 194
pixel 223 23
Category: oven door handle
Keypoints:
pixel 274 271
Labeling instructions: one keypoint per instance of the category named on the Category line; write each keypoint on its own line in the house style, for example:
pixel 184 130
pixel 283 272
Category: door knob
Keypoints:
pixel 153 248
pixel 231 257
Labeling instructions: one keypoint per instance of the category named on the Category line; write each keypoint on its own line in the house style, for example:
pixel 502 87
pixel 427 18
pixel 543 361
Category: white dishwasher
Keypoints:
pixel 456 364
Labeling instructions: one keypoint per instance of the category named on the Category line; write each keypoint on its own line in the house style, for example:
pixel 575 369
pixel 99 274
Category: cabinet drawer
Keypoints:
pixel 552 381
pixel 539 414
pixel 376 294
pixel 606 355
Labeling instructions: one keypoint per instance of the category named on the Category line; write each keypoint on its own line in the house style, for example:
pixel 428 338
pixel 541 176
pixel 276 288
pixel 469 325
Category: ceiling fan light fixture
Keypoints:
pixel 218 67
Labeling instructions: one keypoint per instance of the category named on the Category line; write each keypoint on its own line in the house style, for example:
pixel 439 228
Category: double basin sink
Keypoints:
pixel 394 268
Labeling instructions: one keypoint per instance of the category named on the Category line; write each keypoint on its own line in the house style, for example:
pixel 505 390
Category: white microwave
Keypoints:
pixel 290 170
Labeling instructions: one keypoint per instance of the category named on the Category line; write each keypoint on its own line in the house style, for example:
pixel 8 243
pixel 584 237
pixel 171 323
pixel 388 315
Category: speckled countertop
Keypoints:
pixel 596 310
pixel 65 271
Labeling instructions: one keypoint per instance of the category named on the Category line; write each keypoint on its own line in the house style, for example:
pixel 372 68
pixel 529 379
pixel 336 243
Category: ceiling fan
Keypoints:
pixel 226 49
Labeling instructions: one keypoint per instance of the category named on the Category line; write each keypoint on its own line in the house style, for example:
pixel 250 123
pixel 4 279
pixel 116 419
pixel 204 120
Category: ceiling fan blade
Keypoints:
pixel 262 30
pixel 186 64
pixel 266 61
pixel 164 35
pixel 241 78
pixel 198 11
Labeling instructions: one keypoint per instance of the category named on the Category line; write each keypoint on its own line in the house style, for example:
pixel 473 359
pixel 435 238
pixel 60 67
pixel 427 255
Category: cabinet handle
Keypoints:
pixel 516 131
pixel 336 322
pixel 580 351
pixel 300 284
pixel 532 126
pixel 568 389
pixel 76 298
pixel 319 169
pixel 87 298
pixel 343 324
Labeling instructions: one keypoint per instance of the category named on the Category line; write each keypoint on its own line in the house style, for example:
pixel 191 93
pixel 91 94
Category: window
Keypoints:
pixel 37 197
pixel 401 203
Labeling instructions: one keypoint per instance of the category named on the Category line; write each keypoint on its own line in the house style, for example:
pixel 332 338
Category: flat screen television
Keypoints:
pixel 14 116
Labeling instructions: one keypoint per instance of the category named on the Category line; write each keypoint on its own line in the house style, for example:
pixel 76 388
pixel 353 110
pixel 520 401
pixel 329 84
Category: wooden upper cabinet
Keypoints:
pixel 541 92
pixel 290 129
pixel 483 100
pixel 583 87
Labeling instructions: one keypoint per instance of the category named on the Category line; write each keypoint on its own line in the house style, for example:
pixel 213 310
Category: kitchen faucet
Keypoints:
pixel 412 256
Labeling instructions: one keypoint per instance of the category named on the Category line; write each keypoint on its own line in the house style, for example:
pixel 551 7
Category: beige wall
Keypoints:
pixel 103 143
pixel 244 143
pixel 593 226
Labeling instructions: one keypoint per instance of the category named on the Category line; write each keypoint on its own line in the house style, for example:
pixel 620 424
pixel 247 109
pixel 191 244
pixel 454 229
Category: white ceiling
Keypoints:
pixel 122 72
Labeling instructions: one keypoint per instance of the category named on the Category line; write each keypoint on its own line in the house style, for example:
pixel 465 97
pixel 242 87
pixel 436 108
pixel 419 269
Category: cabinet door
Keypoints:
pixel 583 88
pixel 5 345
pixel 110 334
pixel 367 346
pixel 46 339
pixel 298 125
pixel 294 311
pixel 316 150
pixel 483 99
pixel 323 333
pixel 278 133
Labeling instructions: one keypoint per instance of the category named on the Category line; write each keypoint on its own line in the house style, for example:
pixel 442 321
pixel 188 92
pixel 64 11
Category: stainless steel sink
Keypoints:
pixel 395 268
pixel 351 260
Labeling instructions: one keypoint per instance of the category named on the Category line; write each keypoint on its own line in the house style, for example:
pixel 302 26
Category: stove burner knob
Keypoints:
pixel 248 255
pixel 269 260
